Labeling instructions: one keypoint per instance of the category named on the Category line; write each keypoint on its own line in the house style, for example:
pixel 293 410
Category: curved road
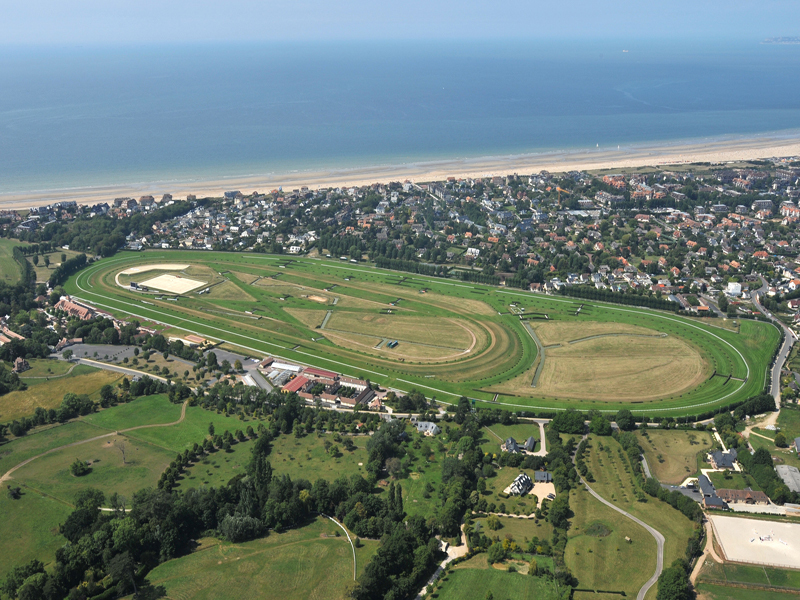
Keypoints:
pixel 788 341
pixel 7 475
pixel 659 541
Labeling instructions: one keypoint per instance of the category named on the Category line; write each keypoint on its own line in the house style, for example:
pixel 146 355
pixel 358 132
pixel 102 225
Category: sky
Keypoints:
pixel 86 22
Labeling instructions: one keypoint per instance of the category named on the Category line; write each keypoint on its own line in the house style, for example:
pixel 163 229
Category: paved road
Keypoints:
pixel 118 369
pixel 659 541
pixel 788 341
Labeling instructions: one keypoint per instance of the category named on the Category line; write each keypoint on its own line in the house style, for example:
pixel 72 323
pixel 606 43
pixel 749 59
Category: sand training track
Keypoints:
pixel 757 541
pixel 173 284
pixel 158 267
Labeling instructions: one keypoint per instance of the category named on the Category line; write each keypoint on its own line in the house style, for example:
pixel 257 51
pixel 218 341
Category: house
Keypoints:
pixel 710 498
pixel 543 477
pixel 427 428
pixel 74 310
pixel 20 365
pixel 723 460
pixel 530 444
pixel 521 485
pixel 510 445
pixel 747 496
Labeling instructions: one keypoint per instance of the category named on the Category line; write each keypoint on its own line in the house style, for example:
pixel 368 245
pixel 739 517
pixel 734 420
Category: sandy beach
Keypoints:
pixel 716 151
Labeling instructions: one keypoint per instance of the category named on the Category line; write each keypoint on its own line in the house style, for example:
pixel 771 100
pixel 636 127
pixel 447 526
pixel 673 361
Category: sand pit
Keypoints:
pixel 159 267
pixel 173 284
pixel 758 541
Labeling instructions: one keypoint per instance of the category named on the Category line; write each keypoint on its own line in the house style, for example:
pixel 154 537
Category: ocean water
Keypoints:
pixel 75 116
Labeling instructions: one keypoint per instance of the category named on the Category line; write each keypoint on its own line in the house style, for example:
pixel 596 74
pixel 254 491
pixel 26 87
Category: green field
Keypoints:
pixel 309 562
pixel 736 481
pixel 672 454
pixel 614 482
pixel 463 583
pixel 597 553
pixel 48 393
pixel 713 572
pixel 9 268
pixel 707 591
pixel 454 338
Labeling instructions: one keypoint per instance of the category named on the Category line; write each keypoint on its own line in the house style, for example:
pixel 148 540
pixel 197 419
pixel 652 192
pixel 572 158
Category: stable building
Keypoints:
pixel 743 496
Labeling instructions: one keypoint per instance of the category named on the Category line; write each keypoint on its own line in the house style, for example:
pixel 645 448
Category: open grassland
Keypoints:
pixel 614 482
pixel 147 410
pixel 672 454
pixel 474 584
pixel 431 311
pixel 707 591
pixel 497 433
pixel 49 393
pixel 309 562
pixel 143 466
pixel 713 572
pixel 42 272
pixel 732 481
pixel 9 269
pixel 597 552
pixel 43 368
pixel 29 529
pixel 518 505
pixel 520 530
pixel 42 440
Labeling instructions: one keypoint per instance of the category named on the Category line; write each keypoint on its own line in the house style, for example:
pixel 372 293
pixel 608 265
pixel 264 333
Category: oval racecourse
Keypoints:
pixel 453 338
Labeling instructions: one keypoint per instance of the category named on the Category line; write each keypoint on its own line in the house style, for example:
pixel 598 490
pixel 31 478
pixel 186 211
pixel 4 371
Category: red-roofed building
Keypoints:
pixel 314 372
pixel 294 385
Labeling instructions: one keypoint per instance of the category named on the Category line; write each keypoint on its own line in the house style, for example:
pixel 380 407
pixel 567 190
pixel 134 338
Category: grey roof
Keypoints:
pixel 427 427
pixel 716 502
pixel 725 459
pixel 790 476
pixel 544 476
pixel 706 486
pixel 530 444
pixel 522 484
pixel 511 445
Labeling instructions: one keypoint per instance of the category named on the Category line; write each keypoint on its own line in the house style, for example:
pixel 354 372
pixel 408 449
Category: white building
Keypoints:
pixel 734 289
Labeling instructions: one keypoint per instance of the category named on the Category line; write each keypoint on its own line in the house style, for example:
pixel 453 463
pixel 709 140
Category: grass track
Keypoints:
pixel 509 351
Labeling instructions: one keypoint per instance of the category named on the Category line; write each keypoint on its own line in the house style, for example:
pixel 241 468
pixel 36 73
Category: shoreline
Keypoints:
pixel 642 155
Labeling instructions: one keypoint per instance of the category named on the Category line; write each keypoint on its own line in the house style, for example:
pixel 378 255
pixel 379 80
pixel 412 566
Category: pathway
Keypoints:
pixel 453 552
pixel 342 527
pixel 707 551
pixel 659 541
pixel 7 475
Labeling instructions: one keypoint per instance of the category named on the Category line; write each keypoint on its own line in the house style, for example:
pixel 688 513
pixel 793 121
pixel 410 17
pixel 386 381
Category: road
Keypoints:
pixel 659 541
pixel 789 339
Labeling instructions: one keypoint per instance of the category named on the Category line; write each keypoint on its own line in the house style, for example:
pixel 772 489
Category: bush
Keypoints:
pixel 79 468
pixel 241 528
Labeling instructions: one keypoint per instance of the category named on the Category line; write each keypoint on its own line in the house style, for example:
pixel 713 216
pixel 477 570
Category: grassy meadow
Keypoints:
pixel 465 583
pixel 9 269
pixel 310 562
pixel 672 454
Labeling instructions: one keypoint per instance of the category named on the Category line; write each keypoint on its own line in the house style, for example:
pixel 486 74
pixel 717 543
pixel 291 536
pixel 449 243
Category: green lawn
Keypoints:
pixel 29 529
pixel 304 563
pixel 147 410
pixel 473 584
pixel 9 268
pixel 707 591
pixel 520 432
pixel 524 505
pixel 737 481
pixel 43 368
pixel 520 530
pixel 672 454
pixel 614 482
pixel 49 393
pixel 713 572
pixel 597 553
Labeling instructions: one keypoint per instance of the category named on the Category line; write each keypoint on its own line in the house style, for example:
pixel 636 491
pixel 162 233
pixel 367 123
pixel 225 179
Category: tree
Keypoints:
pixel 496 553
pixel 493 523
pixel 237 365
pixel 46 261
pixel 600 425
pixel 35 260
pixel 780 440
pixel 123 570
pixel 211 429
pixel 120 445
pixel 393 466
pixel 624 420
pixel 79 468
pixel 569 421
pixel 673 584
pixel 63 258
pixel 67 354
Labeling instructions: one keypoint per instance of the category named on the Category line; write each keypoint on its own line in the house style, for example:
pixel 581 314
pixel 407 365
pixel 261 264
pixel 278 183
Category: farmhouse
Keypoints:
pixel 428 428
pixel 723 460
pixel 710 498
pixel 743 496
pixel 510 445
pixel 521 485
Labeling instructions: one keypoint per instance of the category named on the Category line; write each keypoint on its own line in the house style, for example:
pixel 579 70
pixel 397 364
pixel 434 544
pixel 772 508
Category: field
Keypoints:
pixel 672 455
pixel 309 562
pixel 706 591
pixel 463 583
pixel 597 552
pixel 49 392
pixel 713 572
pixel 453 338
pixel 735 481
pixel 42 272
pixel 9 269
pixel 614 482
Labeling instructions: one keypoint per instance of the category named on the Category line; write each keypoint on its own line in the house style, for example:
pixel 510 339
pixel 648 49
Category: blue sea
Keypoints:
pixel 90 116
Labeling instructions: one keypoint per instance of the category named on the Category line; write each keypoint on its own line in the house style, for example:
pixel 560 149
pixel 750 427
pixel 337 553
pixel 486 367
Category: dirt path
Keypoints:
pixel 707 551
pixel 7 475
pixel 49 377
